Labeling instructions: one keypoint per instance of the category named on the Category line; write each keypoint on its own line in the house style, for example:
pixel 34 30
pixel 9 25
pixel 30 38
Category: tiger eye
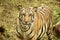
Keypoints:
pixel 30 14
pixel 23 14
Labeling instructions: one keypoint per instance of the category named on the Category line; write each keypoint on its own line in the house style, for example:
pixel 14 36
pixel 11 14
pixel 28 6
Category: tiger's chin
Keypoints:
pixel 25 28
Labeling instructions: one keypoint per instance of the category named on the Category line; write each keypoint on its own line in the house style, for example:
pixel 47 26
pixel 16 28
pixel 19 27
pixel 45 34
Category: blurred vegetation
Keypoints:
pixel 9 14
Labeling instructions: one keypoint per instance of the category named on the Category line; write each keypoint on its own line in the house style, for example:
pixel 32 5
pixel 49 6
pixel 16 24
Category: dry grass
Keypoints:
pixel 9 15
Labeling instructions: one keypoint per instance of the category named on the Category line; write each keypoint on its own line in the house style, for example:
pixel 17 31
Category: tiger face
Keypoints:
pixel 26 18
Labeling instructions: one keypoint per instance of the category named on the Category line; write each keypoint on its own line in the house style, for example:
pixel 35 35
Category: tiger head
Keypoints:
pixel 26 18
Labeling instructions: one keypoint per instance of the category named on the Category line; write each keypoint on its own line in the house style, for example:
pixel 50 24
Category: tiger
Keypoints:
pixel 34 22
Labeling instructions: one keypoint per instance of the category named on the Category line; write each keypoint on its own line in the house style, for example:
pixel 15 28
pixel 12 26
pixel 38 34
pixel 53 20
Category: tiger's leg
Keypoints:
pixel 49 35
pixel 49 32
pixel 42 32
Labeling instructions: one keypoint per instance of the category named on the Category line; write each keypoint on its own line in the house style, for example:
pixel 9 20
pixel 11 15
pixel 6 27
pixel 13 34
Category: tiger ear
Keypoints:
pixel 19 7
pixel 35 9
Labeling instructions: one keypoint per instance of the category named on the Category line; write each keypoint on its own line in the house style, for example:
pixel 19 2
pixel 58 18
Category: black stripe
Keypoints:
pixel 41 15
pixel 30 32
pixel 44 32
pixel 48 8
pixel 19 18
pixel 19 35
pixel 40 34
pixel 24 30
pixel 32 36
pixel 46 27
pixel 46 11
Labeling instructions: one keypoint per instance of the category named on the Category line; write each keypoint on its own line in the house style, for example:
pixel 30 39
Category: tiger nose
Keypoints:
pixel 26 22
pixel 26 19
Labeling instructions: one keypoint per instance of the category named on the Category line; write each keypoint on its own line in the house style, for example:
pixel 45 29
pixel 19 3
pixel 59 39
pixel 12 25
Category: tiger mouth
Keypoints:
pixel 25 28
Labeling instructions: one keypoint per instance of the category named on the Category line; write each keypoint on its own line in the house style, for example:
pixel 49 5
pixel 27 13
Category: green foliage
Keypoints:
pixel 56 14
